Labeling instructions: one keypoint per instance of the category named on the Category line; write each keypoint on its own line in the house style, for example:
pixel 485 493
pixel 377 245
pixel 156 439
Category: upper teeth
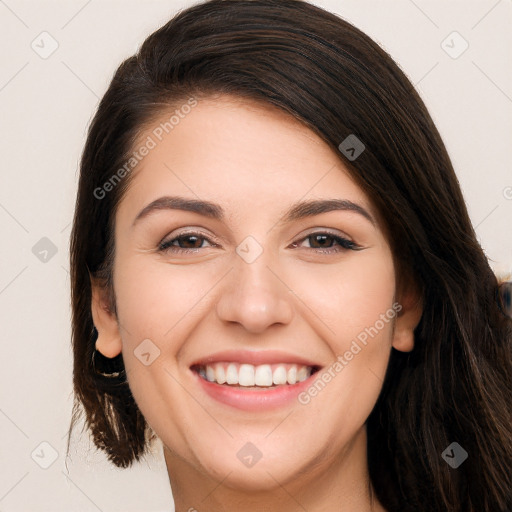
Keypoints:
pixel 250 375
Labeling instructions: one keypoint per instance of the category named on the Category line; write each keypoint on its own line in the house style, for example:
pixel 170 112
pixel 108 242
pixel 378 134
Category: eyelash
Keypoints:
pixel 344 243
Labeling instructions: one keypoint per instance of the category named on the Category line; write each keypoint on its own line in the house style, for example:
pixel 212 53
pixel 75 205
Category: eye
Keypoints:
pixel 185 242
pixel 328 242
pixel 323 242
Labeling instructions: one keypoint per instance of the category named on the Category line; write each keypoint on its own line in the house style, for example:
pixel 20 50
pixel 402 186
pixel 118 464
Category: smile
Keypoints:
pixel 254 380
pixel 248 375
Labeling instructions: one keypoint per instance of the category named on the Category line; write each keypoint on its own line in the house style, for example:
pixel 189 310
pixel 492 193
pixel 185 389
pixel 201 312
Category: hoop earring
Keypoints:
pixel 108 367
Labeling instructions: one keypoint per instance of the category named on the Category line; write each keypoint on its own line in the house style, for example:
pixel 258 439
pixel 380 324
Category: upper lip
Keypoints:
pixel 254 357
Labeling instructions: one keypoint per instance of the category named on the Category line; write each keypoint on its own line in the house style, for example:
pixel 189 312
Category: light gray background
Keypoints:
pixel 46 105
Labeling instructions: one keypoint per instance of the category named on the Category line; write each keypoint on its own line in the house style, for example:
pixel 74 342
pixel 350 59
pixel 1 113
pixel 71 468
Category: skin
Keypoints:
pixel 255 162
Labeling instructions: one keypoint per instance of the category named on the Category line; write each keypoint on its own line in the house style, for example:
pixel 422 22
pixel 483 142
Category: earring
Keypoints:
pixel 110 368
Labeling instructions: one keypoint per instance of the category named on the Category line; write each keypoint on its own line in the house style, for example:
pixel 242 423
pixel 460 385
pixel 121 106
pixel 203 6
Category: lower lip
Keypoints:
pixel 254 399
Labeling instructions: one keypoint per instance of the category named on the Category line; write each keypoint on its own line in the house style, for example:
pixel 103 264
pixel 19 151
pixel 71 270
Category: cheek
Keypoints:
pixel 154 299
pixel 163 304
pixel 348 297
pixel 352 309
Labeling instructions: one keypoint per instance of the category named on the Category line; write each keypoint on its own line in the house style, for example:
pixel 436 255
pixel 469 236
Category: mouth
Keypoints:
pixel 254 377
pixel 254 380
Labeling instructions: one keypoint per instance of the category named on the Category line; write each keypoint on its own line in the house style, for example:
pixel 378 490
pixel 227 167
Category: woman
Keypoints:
pixel 274 271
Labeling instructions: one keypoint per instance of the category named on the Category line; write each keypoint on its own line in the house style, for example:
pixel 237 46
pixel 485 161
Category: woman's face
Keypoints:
pixel 271 264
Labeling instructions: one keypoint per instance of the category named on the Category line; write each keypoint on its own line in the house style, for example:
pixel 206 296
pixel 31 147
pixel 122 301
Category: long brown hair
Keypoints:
pixel 455 386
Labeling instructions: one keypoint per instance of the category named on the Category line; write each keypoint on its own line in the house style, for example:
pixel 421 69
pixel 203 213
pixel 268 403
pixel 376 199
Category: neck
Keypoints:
pixel 335 481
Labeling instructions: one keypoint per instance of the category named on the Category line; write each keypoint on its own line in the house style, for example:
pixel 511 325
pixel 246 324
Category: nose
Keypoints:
pixel 255 297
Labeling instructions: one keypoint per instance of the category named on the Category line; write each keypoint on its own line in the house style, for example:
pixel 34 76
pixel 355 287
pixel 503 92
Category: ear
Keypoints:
pixel 109 338
pixel 408 317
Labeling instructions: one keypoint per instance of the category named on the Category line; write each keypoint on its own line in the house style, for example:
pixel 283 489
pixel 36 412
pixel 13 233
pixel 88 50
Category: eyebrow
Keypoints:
pixel 297 211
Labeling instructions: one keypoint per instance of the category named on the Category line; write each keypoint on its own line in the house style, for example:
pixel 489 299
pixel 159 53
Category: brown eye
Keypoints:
pixel 321 241
pixel 327 242
pixel 185 242
pixel 190 242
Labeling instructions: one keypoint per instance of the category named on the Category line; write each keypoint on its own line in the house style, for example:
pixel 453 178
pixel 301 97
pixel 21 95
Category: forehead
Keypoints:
pixel 239 153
